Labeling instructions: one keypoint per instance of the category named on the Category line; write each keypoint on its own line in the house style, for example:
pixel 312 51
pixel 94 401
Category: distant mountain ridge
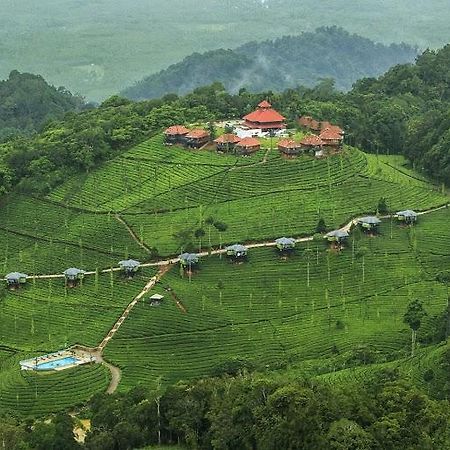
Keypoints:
pixel 278 64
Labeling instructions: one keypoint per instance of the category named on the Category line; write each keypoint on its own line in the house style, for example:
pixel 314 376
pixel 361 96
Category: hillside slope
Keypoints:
pixel 27 101
pixel 277 65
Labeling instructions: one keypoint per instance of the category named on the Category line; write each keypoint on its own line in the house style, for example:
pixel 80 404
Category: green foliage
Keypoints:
pixel 321 226
pixel 414 315
pixel 28 102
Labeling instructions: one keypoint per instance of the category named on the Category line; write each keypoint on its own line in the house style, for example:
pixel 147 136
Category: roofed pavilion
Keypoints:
pixel 265 118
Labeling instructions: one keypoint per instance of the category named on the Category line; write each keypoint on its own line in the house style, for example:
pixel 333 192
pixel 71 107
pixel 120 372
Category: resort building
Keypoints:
pixel 408 216
pixel 237 251
pixel 305 122
pixel 289 147
pixel 369 223
pixel 73 275
pixel 187 260
pixel 247 146
pixel 337 237
pixel 175 134
pixel 196 138
pixel 285 244
pixel 332 137
pixel 15 279
pixel 129 266
pixel 226 142
pixel 311 143
pixel 265 118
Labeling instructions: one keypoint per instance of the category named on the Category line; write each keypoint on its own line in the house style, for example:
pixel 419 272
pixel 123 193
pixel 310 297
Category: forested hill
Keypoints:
pixel 27 101
pixel 278 64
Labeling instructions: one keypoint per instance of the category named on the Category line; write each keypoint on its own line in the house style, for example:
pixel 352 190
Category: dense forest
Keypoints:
pixel 27 102
pixel 240 411
pixel 278 64
pixel 405 111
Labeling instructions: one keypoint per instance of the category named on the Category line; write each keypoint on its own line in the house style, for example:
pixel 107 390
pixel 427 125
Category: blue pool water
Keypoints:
pixel 55 364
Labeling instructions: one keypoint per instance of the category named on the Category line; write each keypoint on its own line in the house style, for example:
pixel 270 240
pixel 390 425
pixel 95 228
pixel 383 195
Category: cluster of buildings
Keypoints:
pixel 265 121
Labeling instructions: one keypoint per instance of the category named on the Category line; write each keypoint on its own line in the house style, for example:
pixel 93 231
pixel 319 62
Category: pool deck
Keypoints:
pixel 81 356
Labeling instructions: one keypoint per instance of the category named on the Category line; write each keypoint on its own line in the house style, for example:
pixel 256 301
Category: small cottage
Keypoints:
pixel 188 260
pixel 408 216
pixel 369 223
pixel 285 244
pixel 129 266
pixel 305 122
pixel 15 279
pixel 332 137
pixel 196 138
pixel 337 236
pixel 289 147
pixel 175 134
pixel 312 144
pixel 73 275
pixel 247 146
pixel 226 142
pixel 237 251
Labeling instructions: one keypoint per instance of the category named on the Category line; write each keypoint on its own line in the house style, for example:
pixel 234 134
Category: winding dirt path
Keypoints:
pixel 134 236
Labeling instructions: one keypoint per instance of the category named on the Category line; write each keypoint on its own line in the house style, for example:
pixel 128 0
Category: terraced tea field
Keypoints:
pixel 269 311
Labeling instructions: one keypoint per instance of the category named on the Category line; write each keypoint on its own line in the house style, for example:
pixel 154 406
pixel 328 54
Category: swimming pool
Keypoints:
pixel 57 363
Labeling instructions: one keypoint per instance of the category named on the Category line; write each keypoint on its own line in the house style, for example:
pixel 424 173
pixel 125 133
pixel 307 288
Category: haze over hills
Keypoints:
pixel 100 47
pixel 277 65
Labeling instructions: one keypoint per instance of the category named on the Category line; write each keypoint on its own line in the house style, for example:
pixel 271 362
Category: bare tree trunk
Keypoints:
pixel 413 341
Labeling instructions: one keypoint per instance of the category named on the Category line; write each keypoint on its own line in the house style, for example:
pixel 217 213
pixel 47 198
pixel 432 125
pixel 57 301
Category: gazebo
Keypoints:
pixel 187 260
pixel 72 275
pixel 156 299
pixel 15 279
pixel 408 216
pixel 285 244
pixel 175 134
pixel 237 251
pixel 196 138
pixel 226 142
pixel 247 146
pixel 129 266
pixel 289 147
pixel 337 236
pixel 265 118
pixel 369 223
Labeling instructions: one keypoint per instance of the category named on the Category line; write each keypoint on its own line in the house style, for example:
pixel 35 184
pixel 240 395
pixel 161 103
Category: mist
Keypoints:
pixel 97 48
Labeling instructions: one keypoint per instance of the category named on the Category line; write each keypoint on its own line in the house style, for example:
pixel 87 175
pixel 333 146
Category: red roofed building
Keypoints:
pixel 289 147
pixel 332 137
pixel 305 122
pixel 311 142
pixel 175 134
pixel 247 146
pixel 196 138
pixel 265 118
pixel 226 142
pixel 314 126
